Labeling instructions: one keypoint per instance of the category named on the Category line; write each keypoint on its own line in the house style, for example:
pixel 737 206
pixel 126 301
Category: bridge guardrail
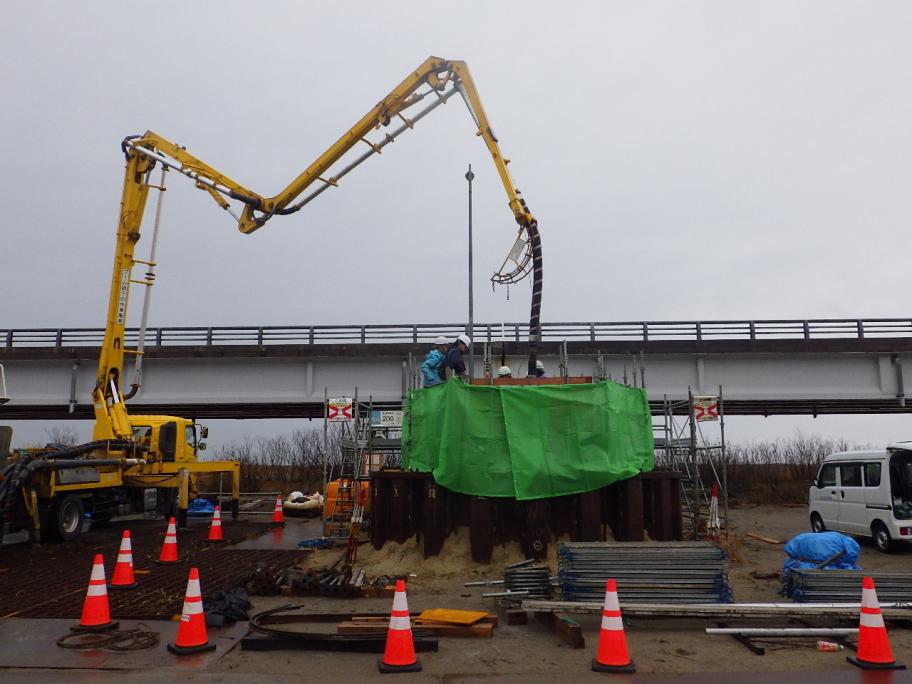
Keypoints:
pixel 425 333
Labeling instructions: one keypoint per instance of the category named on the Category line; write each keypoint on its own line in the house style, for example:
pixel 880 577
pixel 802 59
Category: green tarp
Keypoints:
pixel 527 442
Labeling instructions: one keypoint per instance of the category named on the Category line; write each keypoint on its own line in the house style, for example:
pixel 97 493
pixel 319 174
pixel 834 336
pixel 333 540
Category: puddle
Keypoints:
pixel 287 537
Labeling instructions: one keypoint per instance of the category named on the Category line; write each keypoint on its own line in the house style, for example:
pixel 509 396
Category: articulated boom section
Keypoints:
pixel 433 83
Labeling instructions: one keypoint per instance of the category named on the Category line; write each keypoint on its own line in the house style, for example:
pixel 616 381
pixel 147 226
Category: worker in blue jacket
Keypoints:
pixel 430 367
pixel 454 364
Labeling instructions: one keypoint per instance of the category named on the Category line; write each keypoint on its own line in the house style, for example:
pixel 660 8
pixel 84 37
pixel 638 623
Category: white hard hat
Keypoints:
pixel 465 339
pixel 504 372
pixel 539 365
pixel 440 340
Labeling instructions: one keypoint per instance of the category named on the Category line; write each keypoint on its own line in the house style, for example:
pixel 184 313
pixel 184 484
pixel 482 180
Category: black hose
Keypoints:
pixel 18 475
pixel 535 312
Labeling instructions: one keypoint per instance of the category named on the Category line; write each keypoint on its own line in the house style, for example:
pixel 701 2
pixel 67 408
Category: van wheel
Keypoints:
pixel 817 523
pixel 881 536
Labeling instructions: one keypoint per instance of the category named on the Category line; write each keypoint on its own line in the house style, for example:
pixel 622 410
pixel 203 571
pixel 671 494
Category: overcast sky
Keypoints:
pixel 685 160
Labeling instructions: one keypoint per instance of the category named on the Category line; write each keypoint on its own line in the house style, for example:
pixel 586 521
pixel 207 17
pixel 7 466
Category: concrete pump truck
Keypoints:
pixel 49 491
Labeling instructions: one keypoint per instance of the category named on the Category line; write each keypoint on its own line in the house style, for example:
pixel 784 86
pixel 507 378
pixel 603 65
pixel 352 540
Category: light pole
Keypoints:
pixel 470 331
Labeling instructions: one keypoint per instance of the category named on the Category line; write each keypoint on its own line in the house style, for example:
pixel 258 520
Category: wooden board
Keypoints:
pixel 451 616
pixel 488 619
pixel 481 630
pixel 565 627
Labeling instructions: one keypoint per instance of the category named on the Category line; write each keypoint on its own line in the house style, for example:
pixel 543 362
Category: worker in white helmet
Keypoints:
pixel 454 364
pixel 504 372
pixel 539 369
pixel 430 367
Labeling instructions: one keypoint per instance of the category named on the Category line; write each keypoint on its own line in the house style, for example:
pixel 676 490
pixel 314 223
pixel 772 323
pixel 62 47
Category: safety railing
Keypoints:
pixel 511 332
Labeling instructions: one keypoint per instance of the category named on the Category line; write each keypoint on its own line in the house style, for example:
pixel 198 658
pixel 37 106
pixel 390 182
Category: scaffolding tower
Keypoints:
pixel 370 441
pixel 701 461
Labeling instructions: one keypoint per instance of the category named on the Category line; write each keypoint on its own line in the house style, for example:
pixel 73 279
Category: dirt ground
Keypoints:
pixel 532 651
pixel 663 650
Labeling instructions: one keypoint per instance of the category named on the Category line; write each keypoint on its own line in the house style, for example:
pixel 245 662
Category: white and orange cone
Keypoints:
pixel 95 614
pixel 215 527
pixel 399 655
pixel 169 547
pixel 612 655
pixel 123 570
pixel 191 632
pixel 874 652
pixel 278 516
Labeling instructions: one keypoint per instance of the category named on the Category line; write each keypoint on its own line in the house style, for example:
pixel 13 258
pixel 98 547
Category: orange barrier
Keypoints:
pixel 95 614
pixel 399 655
pixel 191 632
pixel 612 655
pixel 215 527
pixel 169 547
pixel 278 517
pixel 874 652
pixel 123 569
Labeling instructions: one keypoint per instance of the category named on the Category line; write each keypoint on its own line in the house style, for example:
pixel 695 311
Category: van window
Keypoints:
pixel 850 475
pixel 872 474
pixel 827 476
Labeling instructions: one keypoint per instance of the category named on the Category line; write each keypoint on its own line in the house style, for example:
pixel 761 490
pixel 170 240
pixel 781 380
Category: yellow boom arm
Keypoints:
pixel 436 80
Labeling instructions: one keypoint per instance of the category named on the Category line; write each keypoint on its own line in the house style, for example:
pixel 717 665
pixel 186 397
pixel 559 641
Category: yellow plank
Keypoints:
pixel 451 616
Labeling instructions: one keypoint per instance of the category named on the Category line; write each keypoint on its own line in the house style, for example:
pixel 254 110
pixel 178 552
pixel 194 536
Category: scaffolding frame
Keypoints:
pixel 688 451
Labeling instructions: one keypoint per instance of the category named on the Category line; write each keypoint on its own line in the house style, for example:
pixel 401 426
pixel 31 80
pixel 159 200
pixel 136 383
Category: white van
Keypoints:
pixel 865 493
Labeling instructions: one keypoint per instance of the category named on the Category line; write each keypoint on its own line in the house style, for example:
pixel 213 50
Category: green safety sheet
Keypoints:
pixel 527 442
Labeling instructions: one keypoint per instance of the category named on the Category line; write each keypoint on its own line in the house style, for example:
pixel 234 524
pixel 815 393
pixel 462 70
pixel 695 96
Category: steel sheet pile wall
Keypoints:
pixel 405 504
pixel 646 572
pixel 836 586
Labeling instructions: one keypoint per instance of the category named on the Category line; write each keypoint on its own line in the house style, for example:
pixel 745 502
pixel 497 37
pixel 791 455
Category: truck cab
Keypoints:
pixel 168 439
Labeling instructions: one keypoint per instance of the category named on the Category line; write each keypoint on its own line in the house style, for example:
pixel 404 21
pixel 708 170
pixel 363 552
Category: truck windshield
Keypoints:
pixel 190 437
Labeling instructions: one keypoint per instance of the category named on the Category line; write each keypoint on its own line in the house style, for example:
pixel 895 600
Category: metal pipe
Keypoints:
pixel 784 632
pixel 73 402
pixel 147 298
pixel 374 149
pixel 470 331
pixel 499 594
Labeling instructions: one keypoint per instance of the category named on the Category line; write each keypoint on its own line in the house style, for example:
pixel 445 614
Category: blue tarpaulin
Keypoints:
pixel 810 549
pixel 200 507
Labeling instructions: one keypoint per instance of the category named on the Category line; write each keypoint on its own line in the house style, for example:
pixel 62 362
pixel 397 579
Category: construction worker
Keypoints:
pixel 430 367
pixel 504 372
pixel 539 369
pixel 454 364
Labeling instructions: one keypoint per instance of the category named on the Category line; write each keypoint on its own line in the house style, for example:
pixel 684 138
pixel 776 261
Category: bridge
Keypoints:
pixel 764 367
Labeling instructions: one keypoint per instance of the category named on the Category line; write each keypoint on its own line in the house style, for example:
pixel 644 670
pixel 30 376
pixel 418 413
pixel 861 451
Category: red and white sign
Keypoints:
pixel 706 408
pixel 339 410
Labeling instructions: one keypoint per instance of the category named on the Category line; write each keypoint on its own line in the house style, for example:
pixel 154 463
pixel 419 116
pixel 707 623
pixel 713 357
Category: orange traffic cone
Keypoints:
pixel 123 570
pixel 191 632
pixel 95 615
pixel 215 528
pixel 278 517
pixel 169 547
pixel 399 655
pixel 874 652
pixel 612 653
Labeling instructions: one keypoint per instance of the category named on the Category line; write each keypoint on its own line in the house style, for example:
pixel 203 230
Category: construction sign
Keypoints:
pixel 339 410
pixel 706 408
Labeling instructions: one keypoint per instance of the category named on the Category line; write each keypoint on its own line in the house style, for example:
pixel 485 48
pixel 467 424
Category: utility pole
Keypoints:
pixel 470 331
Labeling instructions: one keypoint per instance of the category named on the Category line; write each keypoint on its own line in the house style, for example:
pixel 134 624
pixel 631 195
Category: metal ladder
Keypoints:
pixel 350 476
pixel 688 454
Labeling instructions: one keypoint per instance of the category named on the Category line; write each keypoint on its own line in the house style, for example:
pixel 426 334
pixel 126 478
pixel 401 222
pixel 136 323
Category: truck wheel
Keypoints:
pixel 881 536
pixel 66 518
pixel 817 523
